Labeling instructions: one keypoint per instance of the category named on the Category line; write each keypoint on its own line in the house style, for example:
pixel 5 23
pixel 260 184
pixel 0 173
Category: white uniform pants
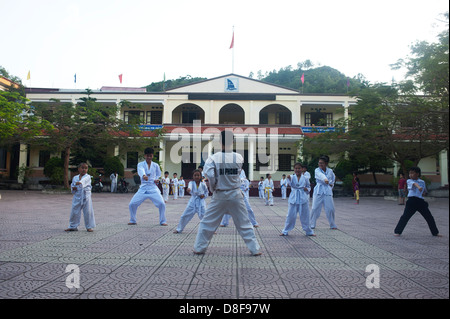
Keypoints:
pixel 261 193
pixel 155 196
pixel 328 204
pixel 283 192
pixel 79 204
pixel 175 192
pixel 226 202
pixel 166 193
pixel 268 197
pixel 194 207
pixel 303 211
pixel 251 215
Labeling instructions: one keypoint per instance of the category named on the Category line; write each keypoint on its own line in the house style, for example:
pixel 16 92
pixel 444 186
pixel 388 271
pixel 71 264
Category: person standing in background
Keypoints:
pixel 402 189
pixel 114 176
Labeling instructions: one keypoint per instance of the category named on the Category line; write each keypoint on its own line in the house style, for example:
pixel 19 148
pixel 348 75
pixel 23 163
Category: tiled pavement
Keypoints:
pixel 149 261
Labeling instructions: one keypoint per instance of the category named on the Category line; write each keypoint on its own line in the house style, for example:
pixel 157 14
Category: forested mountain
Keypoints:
pixel 322 79
pixel 170 84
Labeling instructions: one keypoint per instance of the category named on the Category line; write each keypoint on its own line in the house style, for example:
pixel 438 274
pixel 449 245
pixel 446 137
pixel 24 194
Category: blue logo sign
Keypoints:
pixel 232 85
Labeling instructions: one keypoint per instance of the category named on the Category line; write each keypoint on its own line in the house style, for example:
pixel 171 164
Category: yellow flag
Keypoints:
pixel 28 76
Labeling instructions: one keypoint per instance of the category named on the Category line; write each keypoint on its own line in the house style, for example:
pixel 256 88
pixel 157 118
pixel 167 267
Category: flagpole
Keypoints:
pixel 232 62
pixel 303 80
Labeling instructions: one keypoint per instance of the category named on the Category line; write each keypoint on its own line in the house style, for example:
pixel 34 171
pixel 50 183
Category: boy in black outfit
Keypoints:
pixel 415 202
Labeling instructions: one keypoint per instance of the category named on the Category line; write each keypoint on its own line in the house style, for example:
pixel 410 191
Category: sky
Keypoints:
pixel 146 39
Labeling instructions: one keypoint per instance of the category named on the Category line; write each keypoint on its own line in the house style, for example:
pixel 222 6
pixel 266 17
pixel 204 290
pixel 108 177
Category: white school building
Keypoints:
pixel 268 122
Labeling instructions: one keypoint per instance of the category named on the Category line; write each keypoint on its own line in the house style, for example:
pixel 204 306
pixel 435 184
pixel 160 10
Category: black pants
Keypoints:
pixel 414 204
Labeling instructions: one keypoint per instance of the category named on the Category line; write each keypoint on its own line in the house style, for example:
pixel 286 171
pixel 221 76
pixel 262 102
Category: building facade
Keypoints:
pixel 268 122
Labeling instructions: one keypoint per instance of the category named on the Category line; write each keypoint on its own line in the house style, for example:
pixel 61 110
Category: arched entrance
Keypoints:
pixel 274 114
pixel 186 114
pixel 231 114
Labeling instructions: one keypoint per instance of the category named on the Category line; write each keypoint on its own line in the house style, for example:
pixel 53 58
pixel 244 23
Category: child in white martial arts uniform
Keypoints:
pixel 305 172
pixel 261 188
pixel 298 202
pixel 165 184
pixel 204 179
pixel 82 201
pixel 149 172
pixel 251 215
pixel 323 193
pixel 268 190
pixel 222 170
pixel 174 182
pixel 196 204
pixel 245 186
pixel 283 186
pixel 181 186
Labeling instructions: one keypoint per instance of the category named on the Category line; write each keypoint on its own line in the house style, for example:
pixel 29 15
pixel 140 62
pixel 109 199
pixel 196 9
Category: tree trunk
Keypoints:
pixel 66 167
pixel 404 170
pixel 375 178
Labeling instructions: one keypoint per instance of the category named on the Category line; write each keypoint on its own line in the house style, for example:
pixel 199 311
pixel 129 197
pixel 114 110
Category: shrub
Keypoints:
pixel 347 182
pixel 54 170
pixel 112 165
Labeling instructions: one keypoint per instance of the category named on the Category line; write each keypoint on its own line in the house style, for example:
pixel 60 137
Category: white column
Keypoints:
pixel 119 110
pixel 210 113
pixel 162 154
pixel 22 161
pixel 301 123
pixel 346 114
pixel 443 167
pixel 251 155
pixel 299 153
pixel 251 118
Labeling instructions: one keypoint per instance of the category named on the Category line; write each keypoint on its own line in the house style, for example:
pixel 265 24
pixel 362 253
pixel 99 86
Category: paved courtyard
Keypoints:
pixel 149 261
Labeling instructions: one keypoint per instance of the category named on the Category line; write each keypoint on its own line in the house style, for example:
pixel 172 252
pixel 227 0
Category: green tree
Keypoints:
pixel 17 122
pixel 85 122
pixel 428 65
pixel 6 74
pixel 397 122
pixel 387 124
pixel 113 165
pixel 322 79
pixel 428 72
pixel 170 84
